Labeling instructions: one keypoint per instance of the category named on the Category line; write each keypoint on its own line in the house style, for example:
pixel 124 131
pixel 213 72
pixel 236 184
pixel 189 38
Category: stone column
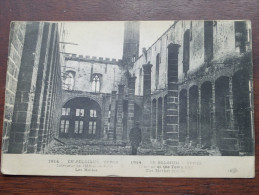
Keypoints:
pixel 37 105
pixel 232 120
pixel 199 116
pixel 131 103
pixel 172 99
pixel 157 116
pixel 49 98
pixel 119 124
pixel 26 86
pixel 43 117
pixel 106 107
pixel 58 100
pixel 146 130
pixel 251 100
pixel 214 135
pixel 229 143
pixel 52 105
pixel 111 131
pixel 162 133
pixel 188 118
pixel 53 98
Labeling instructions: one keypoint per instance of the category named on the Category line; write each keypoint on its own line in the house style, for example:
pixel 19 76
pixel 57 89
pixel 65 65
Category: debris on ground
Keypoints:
pixel 73 146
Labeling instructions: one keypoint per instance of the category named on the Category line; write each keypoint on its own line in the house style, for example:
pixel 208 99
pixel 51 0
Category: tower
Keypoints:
pixel 131 43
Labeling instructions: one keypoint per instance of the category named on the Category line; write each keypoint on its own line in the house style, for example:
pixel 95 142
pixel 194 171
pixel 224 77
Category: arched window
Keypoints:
pixel 208 42
pixel 186 51
pixel 140 80
pixel 69 81
pixel 157 69
pixel 96 83
pixel 241 36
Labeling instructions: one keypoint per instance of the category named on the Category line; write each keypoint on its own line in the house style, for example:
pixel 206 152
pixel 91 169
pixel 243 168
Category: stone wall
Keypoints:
pixel 200 57
pixel 17 35
pixel 223 47
pixel 34 56
pixel 110 71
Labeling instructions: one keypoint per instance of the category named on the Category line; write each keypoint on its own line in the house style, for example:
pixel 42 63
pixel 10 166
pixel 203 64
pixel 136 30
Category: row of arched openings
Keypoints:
pixel 227 103
pixel 159 112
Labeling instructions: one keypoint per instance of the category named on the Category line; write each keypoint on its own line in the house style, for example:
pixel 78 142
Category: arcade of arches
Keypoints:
pixel 217 113
pixel 213 114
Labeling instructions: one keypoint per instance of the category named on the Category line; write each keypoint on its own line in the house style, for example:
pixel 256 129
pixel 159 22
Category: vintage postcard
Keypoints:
pixel 129 99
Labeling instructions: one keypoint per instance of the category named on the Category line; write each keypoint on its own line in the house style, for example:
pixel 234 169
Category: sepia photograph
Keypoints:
pixel 130 89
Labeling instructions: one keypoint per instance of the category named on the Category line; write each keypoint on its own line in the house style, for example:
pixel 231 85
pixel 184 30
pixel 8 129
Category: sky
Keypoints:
pixel 105 39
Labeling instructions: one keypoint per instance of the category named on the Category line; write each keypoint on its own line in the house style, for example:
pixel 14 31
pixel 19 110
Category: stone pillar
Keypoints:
pixel 162 133
pixel 58 100
pixel 106 107
pixel 214 135
pixel 49 98
pixel 50 133
pixel 37 105
pixel 111 131
pixel 131 103
pixel 146 131
pixel 52 105
pixel 232 120
pixel 229 143
pixel 188 118
pixel 157 116
pixel 199 116
pixel 26 86
pixel 251 105
pixel 43 117
pixel 119 124
pixel 172 98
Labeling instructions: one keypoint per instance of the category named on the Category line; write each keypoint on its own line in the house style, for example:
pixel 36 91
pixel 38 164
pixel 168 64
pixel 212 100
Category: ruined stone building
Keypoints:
pixel 33 87
pixel 193 86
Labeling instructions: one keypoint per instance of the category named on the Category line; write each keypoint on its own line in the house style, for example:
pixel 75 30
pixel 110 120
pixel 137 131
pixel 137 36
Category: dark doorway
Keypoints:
pixel 242 109
pixel 81 117
pixel 137 114
pixel 159 119
pixel 206 113
pixel 227 134
pixel 165 117
pixel 222 105
pixel 183 115
pixel 193 113
pixel 154 122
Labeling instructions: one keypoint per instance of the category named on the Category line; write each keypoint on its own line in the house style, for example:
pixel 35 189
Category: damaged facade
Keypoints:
pixel 193 86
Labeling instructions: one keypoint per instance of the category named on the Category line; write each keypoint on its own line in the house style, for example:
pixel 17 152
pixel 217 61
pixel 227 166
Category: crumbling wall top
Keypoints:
pixel 76 57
